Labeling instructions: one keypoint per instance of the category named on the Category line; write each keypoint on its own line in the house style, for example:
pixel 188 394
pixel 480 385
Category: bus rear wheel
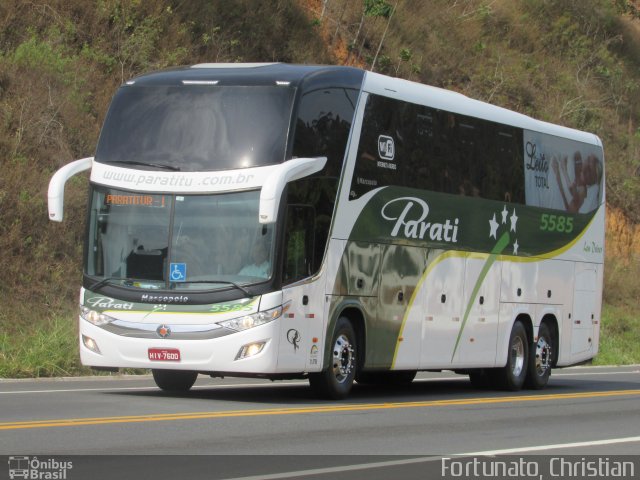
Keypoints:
pixel 174 380
pixel 513 374
pixel 336 381
pixel 540 358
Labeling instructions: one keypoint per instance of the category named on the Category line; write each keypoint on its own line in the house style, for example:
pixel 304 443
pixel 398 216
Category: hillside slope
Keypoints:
pixel 572 62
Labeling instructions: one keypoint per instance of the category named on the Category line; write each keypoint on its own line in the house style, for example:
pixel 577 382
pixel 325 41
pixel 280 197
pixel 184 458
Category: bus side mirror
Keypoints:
pixel 56 186
pixel 274 184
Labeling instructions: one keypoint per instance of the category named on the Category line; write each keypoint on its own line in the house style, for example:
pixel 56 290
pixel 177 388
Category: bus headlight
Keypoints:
pixel 94 317
pixel 250 321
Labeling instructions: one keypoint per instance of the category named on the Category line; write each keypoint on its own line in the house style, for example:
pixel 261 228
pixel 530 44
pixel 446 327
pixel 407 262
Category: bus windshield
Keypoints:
pixel 196 128
pixel 161 241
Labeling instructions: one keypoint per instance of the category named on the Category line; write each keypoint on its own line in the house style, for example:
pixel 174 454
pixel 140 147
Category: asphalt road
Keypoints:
pixel 255 429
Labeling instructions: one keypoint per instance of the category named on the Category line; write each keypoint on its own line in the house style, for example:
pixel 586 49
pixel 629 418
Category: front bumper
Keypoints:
pixel 203 355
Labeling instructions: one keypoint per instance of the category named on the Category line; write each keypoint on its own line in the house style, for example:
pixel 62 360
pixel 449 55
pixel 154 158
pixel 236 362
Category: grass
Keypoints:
pixel 619 343
pixel 48 350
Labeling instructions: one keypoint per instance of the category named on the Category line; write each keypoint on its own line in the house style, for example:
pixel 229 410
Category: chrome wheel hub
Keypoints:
pixel 543 356
pixel 343 358
pixel 517 357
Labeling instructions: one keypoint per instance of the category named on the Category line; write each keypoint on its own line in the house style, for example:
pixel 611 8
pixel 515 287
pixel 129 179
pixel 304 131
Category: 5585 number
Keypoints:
pixel 556 223
pixel 225 307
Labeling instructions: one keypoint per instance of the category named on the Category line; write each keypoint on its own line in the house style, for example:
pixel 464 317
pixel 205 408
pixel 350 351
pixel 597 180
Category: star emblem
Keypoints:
pixel 515 247
pixel 504 212
pixel 514 219
pixel 493 225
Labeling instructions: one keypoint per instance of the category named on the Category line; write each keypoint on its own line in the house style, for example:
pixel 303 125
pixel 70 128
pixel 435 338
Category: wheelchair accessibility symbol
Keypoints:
pixel 178 272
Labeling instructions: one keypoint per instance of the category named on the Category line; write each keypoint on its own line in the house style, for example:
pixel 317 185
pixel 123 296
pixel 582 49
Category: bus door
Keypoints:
pixel 444 301
pixel 400 273
pixel 301 335
pixel 584 307
pixel 478 336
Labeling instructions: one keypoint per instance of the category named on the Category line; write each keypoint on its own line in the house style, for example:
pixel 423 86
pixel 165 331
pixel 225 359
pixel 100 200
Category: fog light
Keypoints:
pixel 250 350
pixel 90 343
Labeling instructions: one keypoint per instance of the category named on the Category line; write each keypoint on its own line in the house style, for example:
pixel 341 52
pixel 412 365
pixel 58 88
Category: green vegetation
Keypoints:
pixel 619 337
pixel 570 62
pixel 41 350
pixel 620 316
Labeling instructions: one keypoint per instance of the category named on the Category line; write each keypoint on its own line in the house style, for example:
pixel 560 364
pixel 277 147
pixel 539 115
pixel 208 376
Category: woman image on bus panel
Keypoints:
pixel 562 174
pixel 584 190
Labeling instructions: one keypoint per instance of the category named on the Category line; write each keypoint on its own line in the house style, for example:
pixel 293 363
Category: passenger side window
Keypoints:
pixel 416 146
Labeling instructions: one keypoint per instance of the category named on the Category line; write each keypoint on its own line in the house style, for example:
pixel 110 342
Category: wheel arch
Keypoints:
pixel 356 317
pixel 503 349
pixel 551 322
pixel 354 312
pixel 527 323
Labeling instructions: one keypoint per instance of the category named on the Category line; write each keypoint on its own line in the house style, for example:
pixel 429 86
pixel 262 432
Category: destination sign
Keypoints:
pixel 141 200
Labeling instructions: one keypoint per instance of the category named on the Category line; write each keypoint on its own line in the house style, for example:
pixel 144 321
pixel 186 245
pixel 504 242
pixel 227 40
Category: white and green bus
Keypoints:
pixel 320 222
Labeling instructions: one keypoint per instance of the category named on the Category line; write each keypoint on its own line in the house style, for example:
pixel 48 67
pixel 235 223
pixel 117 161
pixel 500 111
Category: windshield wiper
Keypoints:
pixel 101 283
pixel 148 164
pixel 225 282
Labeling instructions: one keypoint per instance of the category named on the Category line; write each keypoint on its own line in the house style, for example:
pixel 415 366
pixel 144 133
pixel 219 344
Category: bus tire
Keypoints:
pixel 540 358
pixel 335 382
pixel 512 375
pixel 175 381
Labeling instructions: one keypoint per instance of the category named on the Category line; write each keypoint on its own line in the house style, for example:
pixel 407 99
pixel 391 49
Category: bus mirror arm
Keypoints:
pixel 56 186
pixel 274 184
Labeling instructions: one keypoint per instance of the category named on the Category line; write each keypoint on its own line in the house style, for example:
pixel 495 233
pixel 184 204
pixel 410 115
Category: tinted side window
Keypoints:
pixel 416 146
pixel 322 129
pixel 381 151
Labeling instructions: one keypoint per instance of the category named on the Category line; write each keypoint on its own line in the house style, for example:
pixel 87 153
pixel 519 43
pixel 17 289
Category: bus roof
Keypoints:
pixel 323 76
pixel 253 74
pixel 458 103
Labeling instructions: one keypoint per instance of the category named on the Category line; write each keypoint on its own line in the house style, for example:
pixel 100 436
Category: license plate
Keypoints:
pixel 164 354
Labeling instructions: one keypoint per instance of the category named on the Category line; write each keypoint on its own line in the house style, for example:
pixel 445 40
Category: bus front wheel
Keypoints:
pixel 174 380
pixel 335 382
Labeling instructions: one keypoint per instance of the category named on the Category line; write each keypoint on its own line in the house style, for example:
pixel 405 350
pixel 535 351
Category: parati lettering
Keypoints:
pixel 411 222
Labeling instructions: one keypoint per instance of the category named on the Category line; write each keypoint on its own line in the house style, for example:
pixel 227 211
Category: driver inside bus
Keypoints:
pixel 260 256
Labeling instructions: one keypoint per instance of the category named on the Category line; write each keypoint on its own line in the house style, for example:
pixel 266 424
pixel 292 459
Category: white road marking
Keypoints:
pixel 118 389
pixel 579 374
pixel 230 385
pixel 284 384
pixel 540 448
pixel 409 461
pixel 340 469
